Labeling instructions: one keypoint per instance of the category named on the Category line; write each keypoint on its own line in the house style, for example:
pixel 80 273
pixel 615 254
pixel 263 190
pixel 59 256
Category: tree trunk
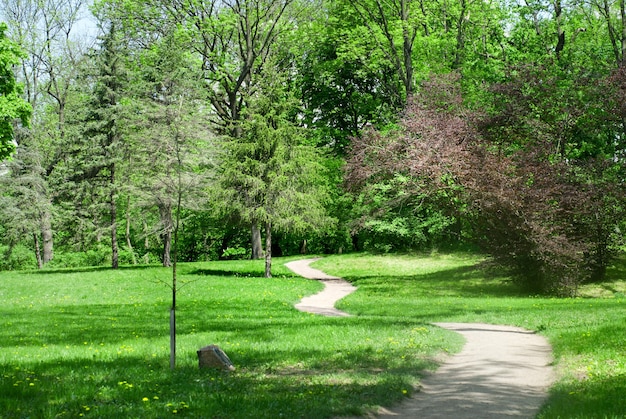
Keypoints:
pixel 113 210
pixel 173 333
pixel 622 9
pixel 558 10
pixel 37 251
pixel 166 219
pixel 129 245
pixel 268 249
pixel 257 247
pixel 459 55
pixel 408 37
pixel 167 248
pixel 46 235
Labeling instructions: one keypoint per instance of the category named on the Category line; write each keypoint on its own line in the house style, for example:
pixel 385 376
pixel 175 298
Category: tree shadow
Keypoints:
pixel 86 269
pixel 467 281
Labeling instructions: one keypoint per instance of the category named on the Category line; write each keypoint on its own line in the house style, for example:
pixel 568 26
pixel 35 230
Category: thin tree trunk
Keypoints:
pixel 176 226
pixel 37 251
pixel 47 238
pixel 257 247
pixel 268 249
pixel 113 209
pixel 128 242
pixel 173 331
pixel 622 7
pixel 166 220
pixel 167 248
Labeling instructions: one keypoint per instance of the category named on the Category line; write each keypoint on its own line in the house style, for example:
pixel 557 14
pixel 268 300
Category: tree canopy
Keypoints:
pixel 322 126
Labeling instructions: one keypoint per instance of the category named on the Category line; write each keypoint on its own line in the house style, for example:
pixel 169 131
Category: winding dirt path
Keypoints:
pixel 324 301
pixel 501 372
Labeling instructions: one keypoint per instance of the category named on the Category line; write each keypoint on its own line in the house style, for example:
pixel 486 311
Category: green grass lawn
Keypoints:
pixel 587 333
pixel 94 342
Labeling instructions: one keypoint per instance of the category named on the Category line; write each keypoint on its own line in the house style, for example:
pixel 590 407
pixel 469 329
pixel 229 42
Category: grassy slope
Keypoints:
pixel 587 333
pixel 95 342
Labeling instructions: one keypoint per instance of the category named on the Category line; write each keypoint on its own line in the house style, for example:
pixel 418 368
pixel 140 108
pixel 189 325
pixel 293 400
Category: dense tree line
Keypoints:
pixel 321 126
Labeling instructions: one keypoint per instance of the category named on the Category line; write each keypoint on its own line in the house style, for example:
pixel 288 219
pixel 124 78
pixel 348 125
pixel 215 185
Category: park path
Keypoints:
pixel 501 372
pixel 323 302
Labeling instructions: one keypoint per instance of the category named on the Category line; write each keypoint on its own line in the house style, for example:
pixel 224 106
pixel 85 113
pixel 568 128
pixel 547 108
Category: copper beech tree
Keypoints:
pixel 532 210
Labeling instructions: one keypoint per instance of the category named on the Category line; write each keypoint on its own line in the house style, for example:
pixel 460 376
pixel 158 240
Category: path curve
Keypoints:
pixel 324 301
pixel 501 372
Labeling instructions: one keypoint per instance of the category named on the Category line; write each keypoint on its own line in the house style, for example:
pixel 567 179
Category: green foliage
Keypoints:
pixel 391 217
pixel 267 173
pixel 12 106
pixel 18 257
pixel 346 83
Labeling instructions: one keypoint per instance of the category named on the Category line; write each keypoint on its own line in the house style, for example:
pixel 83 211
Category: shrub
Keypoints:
pixel 16 258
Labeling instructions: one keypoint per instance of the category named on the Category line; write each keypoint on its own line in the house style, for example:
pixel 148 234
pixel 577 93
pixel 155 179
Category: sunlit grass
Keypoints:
pixel 94 342
pixel 587 332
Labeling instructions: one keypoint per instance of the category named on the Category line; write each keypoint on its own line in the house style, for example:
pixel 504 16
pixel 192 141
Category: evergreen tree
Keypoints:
pixel 92 178
pixel 268 174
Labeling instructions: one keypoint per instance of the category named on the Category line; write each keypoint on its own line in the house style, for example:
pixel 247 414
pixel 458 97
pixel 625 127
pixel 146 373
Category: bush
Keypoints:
pixel 548 216
pixel 18 258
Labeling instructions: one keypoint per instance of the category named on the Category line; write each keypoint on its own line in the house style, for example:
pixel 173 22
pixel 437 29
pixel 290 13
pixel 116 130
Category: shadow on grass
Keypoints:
pixel 287 366
pixel 228 273
pixel 467 281
pixel 238 273
pixel 127 387
pixel 91 269
pixel 588 397
pixel 77 324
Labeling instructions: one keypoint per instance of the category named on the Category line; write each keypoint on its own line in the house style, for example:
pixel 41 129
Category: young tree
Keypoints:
pixel 174 149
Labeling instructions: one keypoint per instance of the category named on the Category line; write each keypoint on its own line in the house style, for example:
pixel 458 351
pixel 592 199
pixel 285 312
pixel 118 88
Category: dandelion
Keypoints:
pixel 145 399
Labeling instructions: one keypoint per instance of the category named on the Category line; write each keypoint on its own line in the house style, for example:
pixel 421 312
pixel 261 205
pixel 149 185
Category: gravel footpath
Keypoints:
pixel 501 372
pixel 323 302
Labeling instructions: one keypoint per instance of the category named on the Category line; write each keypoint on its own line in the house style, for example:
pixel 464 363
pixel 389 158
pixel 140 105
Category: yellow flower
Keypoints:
pixel 145 399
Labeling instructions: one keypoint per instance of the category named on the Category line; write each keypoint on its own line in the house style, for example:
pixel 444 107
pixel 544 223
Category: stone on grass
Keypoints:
pixel 213 357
